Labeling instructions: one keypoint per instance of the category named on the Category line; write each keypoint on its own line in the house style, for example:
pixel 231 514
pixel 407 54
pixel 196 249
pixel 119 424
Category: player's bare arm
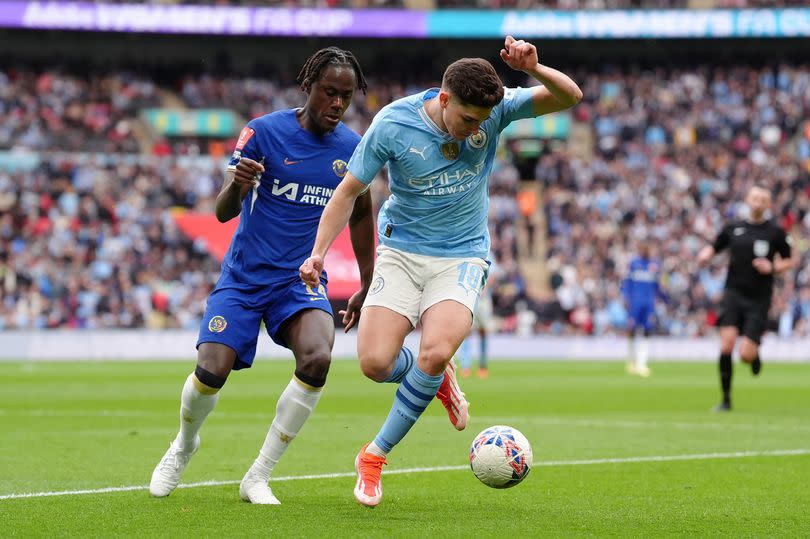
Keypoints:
pixel 335 217
pixel 239 180
pixel 558 92
pixel 361 227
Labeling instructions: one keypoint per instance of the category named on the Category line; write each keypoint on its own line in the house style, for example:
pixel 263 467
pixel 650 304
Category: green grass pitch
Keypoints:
pixel 614 455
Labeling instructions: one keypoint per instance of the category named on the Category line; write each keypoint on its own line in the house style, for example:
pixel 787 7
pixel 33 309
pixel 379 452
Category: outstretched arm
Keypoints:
pixel 335 216
pixel 558 92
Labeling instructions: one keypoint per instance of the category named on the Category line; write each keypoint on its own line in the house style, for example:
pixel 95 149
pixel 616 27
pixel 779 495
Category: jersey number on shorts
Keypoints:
pixel 470 276
pixel 313 295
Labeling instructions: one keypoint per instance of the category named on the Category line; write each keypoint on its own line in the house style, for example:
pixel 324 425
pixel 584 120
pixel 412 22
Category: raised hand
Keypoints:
pixel 518 54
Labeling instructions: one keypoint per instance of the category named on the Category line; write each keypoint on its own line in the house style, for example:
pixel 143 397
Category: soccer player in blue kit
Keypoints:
pixel 431 262
pixel 285 167
pixel 640 289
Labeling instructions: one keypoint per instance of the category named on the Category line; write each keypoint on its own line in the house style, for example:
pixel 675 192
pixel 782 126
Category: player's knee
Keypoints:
pixel 748 352
pixel 375 362
pixel 208 382
pixel 726 346
pixel 374 369
pixel 433 359
pixel 215 360
pixel 313 366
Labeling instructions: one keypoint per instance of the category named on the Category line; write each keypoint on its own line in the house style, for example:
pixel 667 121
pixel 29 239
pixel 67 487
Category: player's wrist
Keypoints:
pixel 535 71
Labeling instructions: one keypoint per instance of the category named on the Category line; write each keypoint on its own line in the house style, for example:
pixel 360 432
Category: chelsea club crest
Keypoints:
pixel 217 324
pixel 339 167
pixel 478 140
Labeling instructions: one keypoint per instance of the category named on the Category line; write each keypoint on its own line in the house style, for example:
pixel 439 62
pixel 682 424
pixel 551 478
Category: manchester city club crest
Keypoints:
pixel 450 150
pixel 377 285
pixel 478 140
pixel 217 324
pixel 339 167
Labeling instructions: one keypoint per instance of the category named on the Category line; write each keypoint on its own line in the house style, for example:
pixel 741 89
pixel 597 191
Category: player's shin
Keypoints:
pixel 631 354
pixel 198 399
pixel 642 353
pixel 294 407
pixel 412 397
pixel 725 377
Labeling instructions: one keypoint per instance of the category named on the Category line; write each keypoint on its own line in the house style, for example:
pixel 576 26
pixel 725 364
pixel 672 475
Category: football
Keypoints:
pixel 500 456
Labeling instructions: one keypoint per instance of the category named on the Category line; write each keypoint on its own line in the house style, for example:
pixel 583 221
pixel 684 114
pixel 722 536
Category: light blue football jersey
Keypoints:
pixel 439 196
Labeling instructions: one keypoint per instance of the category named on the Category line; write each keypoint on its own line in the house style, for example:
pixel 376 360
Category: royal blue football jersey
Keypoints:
pixel 280 217
pixel 640 286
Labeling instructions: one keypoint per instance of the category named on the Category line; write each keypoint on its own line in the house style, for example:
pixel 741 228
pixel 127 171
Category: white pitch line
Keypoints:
pixel 550 463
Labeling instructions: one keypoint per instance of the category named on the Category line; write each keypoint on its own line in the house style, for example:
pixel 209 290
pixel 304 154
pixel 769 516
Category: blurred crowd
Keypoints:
pixel 88 240
pixel 50 111
pixel 673 154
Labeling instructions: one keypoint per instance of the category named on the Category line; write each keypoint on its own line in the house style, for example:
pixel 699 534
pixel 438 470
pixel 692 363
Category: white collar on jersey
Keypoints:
pixel 423 113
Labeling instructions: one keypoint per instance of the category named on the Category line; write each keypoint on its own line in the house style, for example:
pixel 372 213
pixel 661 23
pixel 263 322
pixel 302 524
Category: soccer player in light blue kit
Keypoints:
pixel 285 168
pixel 640 289
pixel 431 262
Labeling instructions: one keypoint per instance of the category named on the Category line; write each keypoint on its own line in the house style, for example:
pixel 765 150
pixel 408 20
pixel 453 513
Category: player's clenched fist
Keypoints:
pixel 246 171
pixel 519 54
pixel 310 270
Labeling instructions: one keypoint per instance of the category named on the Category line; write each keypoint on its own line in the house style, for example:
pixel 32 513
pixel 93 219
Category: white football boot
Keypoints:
pixel 168 471
pixel 254 489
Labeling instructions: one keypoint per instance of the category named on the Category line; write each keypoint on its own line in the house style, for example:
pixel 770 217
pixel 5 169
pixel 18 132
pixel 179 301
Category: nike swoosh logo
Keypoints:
pixel 315 299
pixel 288 162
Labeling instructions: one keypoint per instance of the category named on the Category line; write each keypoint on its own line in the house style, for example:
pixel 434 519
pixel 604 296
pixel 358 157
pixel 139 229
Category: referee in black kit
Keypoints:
pixel 759 249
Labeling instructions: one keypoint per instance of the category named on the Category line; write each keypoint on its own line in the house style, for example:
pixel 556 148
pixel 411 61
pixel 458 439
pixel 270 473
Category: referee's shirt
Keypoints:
pixel 747 241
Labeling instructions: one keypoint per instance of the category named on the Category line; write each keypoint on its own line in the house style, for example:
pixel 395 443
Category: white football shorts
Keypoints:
pixel 483 316
pixel 409 283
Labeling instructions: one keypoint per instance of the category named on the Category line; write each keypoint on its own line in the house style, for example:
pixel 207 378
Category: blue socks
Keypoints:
pixel 405 362
pixel 465 353
pixel 413 396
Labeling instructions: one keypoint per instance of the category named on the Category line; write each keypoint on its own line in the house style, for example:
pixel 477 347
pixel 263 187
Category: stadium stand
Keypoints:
pixel 87 183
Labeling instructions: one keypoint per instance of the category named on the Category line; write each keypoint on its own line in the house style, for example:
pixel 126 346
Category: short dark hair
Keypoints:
pixel 474 81
pixel 315 64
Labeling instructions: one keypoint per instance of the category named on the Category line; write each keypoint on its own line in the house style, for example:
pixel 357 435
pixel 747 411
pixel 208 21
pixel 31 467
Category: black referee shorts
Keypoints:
pixel 749 315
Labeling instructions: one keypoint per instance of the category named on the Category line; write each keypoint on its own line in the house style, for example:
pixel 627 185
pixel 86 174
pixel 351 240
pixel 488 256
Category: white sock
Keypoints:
pixel 294 406
pixel 374 449
pixel 194 408
pixel 642 352
pixel 631 351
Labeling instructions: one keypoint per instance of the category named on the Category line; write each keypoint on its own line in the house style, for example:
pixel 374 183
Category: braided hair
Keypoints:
pixel 315 64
